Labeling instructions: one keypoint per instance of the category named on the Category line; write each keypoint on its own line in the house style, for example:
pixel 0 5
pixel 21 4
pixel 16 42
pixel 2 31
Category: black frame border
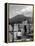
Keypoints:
pixel 5 22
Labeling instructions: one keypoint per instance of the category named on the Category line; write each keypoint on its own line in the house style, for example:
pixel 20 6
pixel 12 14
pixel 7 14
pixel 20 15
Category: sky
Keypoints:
pixel 26 10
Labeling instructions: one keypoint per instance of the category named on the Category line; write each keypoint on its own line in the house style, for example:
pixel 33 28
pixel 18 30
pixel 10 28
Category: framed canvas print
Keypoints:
pixel 19 22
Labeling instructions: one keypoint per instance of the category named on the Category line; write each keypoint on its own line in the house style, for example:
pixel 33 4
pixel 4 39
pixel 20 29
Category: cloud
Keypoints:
pixel 26 12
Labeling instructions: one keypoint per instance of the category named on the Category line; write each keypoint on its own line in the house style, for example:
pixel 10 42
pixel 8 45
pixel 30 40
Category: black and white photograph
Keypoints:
pixel 20 23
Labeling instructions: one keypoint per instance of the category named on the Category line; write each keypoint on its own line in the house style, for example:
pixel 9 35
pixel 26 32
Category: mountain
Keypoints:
pixel 18 19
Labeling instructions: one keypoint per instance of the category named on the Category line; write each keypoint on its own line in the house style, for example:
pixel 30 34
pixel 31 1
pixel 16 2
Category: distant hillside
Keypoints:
pixel 18 19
